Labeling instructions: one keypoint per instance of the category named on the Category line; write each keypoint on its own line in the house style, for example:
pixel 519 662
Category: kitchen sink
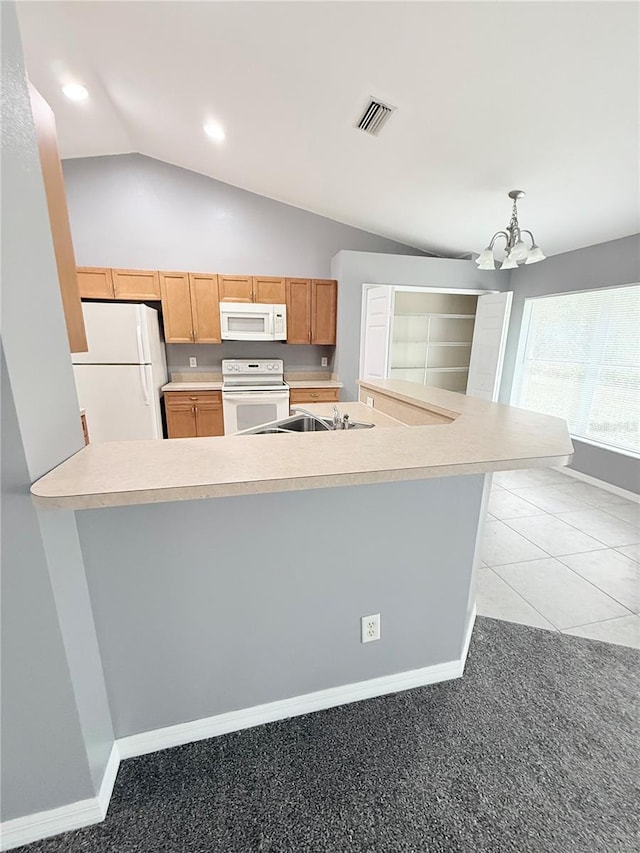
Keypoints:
pixel 302 423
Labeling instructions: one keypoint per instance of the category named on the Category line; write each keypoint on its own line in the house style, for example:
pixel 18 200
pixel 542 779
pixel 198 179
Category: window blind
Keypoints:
pixel 581 362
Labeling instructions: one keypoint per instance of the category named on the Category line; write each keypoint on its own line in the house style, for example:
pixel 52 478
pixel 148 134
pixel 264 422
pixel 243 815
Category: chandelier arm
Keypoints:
pixel 496 235
pixel 533 241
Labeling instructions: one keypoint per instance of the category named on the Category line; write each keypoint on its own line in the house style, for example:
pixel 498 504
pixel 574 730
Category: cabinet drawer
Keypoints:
pixel 179 399
pixel 313 395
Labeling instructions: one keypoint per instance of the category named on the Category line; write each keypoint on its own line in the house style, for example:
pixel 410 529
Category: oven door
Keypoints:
pixel 246 322
pixel 246 409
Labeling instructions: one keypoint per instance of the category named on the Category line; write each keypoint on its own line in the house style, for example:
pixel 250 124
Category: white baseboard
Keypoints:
pixel 467 637
pixel 34 827
pixel 108 780
pixel 234 721
pixel 601 484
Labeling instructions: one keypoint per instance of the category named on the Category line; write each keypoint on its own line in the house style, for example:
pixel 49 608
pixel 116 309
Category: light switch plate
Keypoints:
pixel 193 361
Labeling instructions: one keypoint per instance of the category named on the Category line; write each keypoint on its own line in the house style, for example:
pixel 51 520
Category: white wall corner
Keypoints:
pixel 34 827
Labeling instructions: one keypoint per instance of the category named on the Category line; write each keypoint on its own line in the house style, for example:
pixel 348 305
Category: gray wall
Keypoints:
pixel 55 720
pixel 44 763
pixel 194 620
pixel 132 211
pixel 353 269
pixel 295 357
pixel 604 265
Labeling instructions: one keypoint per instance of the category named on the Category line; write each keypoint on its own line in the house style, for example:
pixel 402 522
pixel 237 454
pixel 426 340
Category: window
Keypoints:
pixel 580 360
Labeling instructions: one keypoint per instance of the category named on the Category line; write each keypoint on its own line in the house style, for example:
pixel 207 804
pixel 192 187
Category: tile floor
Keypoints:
pixel 562 555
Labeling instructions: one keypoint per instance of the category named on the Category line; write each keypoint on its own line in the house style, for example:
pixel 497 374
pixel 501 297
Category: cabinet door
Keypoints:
pixel 270 290
pixel 95 282
pixel 298 310
pixel 324 310
pixel 209 416
pixel 181 416
pixel 45 127
pixel 136 284
pixel 205 308
pixel 235 288
pixel 176 307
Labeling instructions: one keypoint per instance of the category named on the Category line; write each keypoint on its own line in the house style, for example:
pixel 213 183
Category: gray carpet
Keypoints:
pixel 535 749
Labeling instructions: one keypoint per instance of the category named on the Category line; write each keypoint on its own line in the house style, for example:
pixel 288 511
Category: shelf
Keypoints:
pixel 447 369
pixel 449 343
pixel 440 316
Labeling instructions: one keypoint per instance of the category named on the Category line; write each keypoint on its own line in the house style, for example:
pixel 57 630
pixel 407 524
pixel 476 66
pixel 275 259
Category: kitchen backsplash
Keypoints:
pixel 296 357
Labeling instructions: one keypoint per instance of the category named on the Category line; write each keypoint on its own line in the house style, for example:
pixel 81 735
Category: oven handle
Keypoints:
pixel 254 396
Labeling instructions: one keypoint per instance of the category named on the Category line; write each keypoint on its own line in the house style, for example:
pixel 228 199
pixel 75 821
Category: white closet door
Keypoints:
pixel 487 349
pixel 377 332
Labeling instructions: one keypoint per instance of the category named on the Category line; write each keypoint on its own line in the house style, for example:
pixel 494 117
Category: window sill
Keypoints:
pixel 612 448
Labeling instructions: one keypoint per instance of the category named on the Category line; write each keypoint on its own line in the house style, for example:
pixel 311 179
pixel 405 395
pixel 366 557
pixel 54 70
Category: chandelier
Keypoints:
pixel 516 250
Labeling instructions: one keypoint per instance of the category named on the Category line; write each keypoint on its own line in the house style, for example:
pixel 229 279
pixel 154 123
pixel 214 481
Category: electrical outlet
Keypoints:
pixel 193 361
pixel 370 402
pixel 370 628
pixel 324 361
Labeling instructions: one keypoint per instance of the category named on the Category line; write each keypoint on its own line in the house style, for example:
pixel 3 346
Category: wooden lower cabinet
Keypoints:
pixel 85 430
pixel 192 415
pixel 298 396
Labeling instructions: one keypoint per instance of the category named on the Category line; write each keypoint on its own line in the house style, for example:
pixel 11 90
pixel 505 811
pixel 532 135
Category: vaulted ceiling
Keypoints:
pixel 489 96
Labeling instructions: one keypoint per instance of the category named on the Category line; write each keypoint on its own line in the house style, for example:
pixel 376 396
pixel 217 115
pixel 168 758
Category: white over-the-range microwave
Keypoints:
pixel 253 321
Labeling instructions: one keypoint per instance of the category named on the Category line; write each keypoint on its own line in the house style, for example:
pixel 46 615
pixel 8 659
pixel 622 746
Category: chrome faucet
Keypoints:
pixel 298 411
pixel 337 419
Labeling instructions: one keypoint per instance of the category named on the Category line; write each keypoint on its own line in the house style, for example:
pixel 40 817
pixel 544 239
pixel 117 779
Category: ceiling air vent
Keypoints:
pixel 375 116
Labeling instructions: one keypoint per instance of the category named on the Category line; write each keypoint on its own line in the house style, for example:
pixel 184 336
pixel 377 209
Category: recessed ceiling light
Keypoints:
pixel 214 130
pixel 75 92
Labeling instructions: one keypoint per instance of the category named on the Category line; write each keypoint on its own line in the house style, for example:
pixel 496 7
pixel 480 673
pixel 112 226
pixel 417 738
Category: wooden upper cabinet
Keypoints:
pixel 95 283
pixel 235 288
pixel 205 308
pixel 176 307
pixel 190 308
pixel 298 310
pixel 324 311
pixel 45 127
pixel 269 289
pixel 136 284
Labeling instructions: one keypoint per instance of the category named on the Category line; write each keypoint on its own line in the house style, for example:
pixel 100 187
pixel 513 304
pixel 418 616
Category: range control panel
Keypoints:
pixel 258 366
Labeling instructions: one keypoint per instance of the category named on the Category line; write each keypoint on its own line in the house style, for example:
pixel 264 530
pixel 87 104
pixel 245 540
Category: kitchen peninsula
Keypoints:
pixel 472 437
pixel 228 575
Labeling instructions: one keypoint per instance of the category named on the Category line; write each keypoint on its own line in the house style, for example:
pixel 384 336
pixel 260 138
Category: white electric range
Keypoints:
pixel 253 392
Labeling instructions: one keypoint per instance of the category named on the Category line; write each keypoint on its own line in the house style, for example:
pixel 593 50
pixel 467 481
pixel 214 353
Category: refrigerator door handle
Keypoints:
pixel 141 357
pixel 143 382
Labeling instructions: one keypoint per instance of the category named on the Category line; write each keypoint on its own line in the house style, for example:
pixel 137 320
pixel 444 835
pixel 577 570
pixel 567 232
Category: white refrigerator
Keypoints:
pixel 120 377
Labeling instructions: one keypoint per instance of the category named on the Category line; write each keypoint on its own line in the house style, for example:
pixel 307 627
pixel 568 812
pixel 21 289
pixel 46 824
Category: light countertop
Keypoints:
pixel 193 386
pixel 313 383
pixel 217 385
pixel 482 437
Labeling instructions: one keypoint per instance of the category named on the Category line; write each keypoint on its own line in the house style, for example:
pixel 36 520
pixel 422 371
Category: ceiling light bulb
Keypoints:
pixel 509 263
pixel 519 252
pixel 535 255
pixel 214 131
pixel 75 92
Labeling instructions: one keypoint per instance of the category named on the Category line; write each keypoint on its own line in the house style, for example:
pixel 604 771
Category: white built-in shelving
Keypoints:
pixel 432 336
